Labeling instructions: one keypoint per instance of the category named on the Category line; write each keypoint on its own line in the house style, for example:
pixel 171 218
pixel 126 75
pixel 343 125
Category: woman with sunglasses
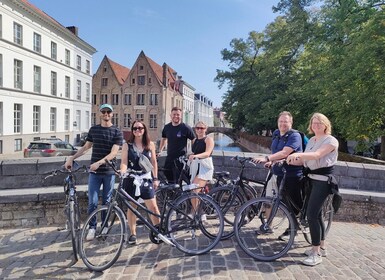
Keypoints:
pixel 201 162
pixel 139 143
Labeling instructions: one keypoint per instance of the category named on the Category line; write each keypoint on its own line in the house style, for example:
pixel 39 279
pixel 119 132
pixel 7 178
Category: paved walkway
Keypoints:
pixel 356 251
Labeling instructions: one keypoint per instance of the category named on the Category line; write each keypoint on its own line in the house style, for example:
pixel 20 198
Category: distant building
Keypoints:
pixel 203 109
pixel 45 78
pixel 188 93
pixel 147 93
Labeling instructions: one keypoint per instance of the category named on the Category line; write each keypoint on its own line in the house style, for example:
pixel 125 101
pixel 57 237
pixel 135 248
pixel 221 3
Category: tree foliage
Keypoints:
pixel 317 56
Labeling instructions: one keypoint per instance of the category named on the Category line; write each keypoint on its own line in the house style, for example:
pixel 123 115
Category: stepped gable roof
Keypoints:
pixel 121 72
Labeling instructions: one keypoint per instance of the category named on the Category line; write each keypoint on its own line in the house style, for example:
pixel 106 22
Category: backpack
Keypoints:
pixel 304 138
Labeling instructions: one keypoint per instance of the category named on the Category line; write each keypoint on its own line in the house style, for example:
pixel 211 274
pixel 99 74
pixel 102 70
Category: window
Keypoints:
pixel 18 74
pixel 149 81
pixel 17 118
pixel 115 99
pixel 67 57
pixel 141 80
pixel 115 120
pixel 1 118
pixel 1 146
pixel 93 118
pixel 88 92
pixel 141 67
pixel 78 119
pixel 94 99
pixel 52 119
pixel 133 81
pixel 154 99
pixel 53 50
pixel 36 79
pixel 127 120
pixel 103 98
pixel 79 90
pixel 127 99
pixel 78 62
pixel 88 66
pixel 66 119
pixel 1 35
pixel 18 143
pixel 1 70
pixel 37 42
pixel 67 87
pixel 87 119
pixel 153 121
pixel 17 34
pixel 140 99
pixel 140 117
pixel 104 82
pixel 53 83
pixel 36 119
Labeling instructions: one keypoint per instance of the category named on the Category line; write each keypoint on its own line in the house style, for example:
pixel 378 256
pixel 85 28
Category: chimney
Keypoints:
pixel 73 29
pixel 165 79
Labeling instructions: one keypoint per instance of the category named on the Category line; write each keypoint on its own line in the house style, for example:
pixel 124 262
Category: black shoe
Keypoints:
pixel 132 239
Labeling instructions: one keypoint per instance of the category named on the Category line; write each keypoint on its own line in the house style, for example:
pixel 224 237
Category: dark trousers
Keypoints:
pixel 172 170
pixel 293 188
pixel 319 192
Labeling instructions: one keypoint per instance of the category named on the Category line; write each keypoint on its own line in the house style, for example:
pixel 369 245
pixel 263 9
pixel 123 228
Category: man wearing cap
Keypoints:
pixel 105 140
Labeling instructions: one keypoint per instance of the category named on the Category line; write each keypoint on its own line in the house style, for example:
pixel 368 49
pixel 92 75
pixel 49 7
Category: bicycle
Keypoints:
pixel 181 225
pixel 230 196
pixel 71 208
pixel 259 237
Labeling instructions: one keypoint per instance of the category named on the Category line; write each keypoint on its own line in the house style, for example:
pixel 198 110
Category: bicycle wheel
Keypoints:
pixel 249 191
pixel 229 205
pixel 102 252
pixel 195 232
pixel 258 239
pixel 73 225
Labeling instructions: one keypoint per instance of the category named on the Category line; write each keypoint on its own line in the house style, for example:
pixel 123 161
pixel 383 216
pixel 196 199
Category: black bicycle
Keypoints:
pixel 231 195
pixel 260 237
pixel 181 225
pixel 71 208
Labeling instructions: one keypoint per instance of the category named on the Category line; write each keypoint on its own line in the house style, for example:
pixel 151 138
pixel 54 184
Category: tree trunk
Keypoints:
pixel 383 147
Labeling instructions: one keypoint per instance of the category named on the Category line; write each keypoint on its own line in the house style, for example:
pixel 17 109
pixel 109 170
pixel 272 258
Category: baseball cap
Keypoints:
pixel 106 106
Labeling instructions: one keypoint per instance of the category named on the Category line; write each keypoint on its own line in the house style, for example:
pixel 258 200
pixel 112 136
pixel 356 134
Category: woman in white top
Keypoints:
pixel 319 157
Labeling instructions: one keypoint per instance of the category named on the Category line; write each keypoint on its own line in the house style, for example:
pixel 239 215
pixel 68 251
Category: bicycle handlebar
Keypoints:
pixel 129 172
pixel 63 170
pixel 243 160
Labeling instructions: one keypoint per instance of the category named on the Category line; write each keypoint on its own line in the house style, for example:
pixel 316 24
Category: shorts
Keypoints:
pixel 146 189
pixel 272 187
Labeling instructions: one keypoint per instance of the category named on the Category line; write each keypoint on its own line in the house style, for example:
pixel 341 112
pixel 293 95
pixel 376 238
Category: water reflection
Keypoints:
pixel 225 143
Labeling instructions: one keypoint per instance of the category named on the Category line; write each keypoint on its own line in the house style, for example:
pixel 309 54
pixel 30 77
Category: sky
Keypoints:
pixel 188 35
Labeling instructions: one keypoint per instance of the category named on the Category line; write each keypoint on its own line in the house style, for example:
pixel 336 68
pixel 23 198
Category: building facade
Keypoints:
pixel 147 94
pixel 203 109
pixel 45 78
pixel 188 92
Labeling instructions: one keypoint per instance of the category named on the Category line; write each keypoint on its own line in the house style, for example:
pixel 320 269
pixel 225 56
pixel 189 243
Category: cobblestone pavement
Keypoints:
pixel 356 251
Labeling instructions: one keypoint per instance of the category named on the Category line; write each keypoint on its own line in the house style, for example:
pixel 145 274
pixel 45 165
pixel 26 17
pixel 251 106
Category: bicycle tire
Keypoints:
pixel 187 231
pixel 73 226
pixel 328 213
pixel 229 204
pixel 103 251
pixel 258 241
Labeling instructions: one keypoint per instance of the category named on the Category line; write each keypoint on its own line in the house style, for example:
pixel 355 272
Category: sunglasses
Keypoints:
pixel 199 127
pixel 138 128
pixel 105 112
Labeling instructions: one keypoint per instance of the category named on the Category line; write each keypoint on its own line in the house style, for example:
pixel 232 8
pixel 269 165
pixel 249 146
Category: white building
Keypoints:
pixel 187 92
pixel 203 109
pixel 45 78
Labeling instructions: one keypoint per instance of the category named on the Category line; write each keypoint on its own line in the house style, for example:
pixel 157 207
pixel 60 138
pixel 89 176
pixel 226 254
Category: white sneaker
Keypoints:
pixel 204 218
pixel 91 234
pixel 312 260
pixel 309 252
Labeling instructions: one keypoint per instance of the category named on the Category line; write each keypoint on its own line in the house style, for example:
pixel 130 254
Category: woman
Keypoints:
pixel 201 162
pixel 319 157
pixel 139 143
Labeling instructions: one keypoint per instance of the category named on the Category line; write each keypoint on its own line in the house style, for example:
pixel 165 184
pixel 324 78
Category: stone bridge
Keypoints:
pixel 230 132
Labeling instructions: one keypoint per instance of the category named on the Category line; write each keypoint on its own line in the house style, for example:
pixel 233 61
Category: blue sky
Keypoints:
pixel 186 34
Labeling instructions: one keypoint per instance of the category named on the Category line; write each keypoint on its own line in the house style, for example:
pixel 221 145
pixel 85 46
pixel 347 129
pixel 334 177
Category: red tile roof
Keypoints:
pixel 121 72
pixel 159 71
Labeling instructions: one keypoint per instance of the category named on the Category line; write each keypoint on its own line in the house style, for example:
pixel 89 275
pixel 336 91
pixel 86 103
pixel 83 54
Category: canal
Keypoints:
pixel 225 143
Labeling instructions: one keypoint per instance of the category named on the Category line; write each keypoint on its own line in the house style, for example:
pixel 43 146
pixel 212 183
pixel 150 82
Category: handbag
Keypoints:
pixel 144 161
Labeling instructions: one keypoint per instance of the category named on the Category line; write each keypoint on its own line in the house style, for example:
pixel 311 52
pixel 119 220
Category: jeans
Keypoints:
pixel 94 183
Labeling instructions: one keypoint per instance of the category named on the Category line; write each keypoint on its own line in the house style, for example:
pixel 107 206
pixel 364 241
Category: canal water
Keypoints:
pixel 225 143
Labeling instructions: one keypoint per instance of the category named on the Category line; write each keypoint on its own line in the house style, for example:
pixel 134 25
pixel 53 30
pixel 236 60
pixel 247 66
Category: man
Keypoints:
pixel 175 135
pixel 105 140
pixel 285 142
